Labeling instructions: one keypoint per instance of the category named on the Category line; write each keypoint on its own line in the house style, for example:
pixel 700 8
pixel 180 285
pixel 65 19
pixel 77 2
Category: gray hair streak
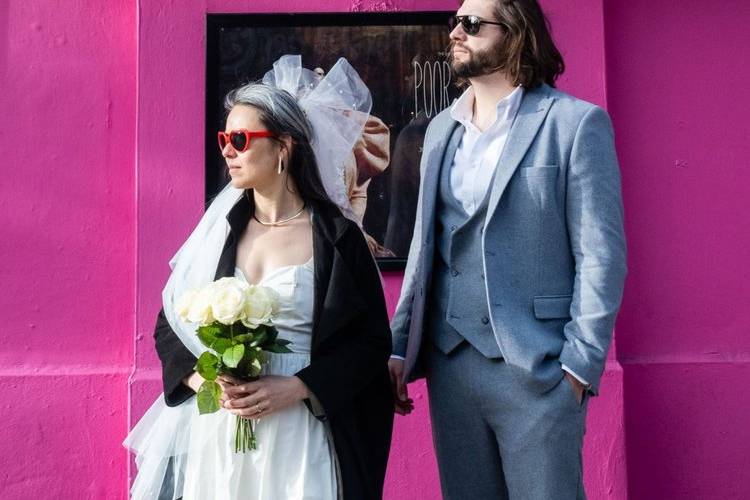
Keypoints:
pixel 279 110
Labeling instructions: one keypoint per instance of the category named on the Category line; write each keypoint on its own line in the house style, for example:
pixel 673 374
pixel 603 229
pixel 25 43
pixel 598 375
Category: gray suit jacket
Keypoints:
pixel 553 241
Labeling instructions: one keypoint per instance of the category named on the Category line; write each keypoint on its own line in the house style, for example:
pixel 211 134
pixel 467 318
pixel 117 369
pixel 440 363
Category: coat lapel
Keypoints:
pixel 530 116
pixel 238 218
pixel 322 268
pixel 337 299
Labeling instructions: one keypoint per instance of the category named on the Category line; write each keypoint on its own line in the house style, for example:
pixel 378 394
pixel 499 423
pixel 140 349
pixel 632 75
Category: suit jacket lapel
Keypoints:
pixel 530 116
pixel 445 149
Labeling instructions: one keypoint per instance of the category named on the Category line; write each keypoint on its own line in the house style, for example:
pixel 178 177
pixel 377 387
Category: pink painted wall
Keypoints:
pixel 678 93
pixel 114 182
pixel 170 190
pixel 67 142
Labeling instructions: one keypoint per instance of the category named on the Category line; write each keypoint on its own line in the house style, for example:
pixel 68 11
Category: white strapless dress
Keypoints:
pixel 294 459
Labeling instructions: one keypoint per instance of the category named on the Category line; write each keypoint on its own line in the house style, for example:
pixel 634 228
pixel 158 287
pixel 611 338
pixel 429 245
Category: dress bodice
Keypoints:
pixel 294 284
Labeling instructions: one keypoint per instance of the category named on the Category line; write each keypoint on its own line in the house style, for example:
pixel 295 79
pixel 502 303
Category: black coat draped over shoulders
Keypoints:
pixel 351 344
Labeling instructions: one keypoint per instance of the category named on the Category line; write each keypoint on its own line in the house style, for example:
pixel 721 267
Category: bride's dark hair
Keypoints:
pixel 282 115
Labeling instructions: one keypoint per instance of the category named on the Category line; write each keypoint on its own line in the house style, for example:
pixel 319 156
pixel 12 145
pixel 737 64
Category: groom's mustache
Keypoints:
pixel 455 45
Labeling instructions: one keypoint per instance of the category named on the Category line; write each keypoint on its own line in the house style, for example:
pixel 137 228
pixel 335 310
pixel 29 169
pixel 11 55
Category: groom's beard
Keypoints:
pixel 478 63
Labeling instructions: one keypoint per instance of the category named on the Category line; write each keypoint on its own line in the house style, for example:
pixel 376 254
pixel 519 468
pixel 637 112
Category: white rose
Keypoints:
pixel 261 304
pixel 228 300
pixel 200 308
pixel 182 306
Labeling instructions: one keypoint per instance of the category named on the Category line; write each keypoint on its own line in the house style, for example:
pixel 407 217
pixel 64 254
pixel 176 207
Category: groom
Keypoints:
pixel 516 267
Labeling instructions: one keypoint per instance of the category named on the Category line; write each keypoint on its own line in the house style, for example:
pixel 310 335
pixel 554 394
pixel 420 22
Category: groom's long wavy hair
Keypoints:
pixel 527 52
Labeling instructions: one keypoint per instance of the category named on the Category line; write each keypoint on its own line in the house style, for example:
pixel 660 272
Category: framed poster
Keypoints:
pixel 400 56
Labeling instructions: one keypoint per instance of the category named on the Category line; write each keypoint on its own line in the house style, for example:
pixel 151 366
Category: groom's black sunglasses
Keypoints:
pixel 470 24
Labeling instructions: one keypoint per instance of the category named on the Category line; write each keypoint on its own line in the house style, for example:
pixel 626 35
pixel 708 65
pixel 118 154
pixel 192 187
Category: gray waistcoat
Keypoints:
pixel 458 303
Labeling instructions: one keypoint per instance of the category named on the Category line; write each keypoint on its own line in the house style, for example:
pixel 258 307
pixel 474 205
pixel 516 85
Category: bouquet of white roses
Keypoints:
pixel 235 323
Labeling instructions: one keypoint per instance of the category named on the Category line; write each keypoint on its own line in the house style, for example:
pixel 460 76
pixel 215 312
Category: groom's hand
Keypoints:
pixel 578 387
pixel 404 405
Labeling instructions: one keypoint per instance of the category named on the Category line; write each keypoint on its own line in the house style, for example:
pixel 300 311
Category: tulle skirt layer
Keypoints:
pixel 180 453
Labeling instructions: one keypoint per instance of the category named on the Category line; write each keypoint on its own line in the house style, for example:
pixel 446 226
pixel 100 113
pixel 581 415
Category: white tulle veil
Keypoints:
pixel 337 106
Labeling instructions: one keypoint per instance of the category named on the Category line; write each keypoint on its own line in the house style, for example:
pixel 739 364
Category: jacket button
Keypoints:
pixel 454 273
pixel 453 228
pixel 485 320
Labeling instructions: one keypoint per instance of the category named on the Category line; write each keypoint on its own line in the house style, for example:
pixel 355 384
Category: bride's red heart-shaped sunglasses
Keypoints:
pixel 240 139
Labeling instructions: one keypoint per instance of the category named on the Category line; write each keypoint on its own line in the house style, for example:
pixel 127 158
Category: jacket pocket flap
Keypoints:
pixel 552 306
pixel 537 171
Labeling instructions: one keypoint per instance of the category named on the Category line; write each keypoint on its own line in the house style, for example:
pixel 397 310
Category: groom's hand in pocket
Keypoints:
pixel 578 388
pixel 403 405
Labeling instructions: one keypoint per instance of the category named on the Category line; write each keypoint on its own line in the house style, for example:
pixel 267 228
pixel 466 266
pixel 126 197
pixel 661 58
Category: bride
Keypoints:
pixel 323 412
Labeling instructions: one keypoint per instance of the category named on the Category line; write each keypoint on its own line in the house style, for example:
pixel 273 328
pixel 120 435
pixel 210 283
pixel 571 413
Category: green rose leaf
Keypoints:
pixel 207 366
pixel 260 338
pixel 233 355
pixel 244 338
pixel 208 334
pixel 208 397
pixel 272 333
pixel 221 345
pixel 280 346
pixel 255 367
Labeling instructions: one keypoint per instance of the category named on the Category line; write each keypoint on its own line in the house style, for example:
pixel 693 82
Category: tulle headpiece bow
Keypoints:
pixel 337 106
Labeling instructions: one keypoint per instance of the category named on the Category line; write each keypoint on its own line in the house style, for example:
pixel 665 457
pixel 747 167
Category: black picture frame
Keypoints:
pixel 401 56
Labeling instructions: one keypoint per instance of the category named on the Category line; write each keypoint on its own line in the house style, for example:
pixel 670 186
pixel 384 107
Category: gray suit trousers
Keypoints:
pixel 496 438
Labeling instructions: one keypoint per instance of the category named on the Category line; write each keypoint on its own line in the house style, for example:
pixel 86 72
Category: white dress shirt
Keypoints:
pixel 477 155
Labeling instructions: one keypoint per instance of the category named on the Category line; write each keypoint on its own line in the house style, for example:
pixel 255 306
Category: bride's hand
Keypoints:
pixel 226 381
pixel 194 381
pixel 264 396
